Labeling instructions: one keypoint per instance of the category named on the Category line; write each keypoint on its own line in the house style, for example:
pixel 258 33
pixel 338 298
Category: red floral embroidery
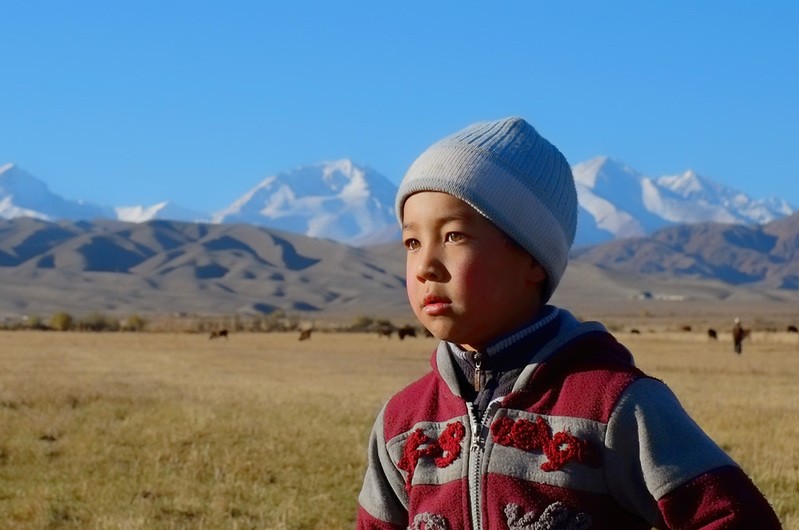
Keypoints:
pixel 444 451
pixel 560 448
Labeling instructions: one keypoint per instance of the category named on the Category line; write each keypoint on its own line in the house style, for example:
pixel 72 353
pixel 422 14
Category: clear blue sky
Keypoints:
pixel 196 102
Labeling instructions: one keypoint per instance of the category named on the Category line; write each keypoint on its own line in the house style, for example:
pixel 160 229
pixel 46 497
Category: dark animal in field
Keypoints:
pixel 406 331
pixel 793 329
pixel 635 331
pixel 385 331
pixel 305 334
pixel 686 328
pixel 218 334
pixel 712 334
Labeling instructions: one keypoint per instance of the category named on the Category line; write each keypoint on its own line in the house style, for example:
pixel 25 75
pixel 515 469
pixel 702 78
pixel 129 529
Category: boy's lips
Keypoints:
pixel 435 305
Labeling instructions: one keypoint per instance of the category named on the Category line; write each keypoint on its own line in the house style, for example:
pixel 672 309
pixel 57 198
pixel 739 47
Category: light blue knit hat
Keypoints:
pixel 513 176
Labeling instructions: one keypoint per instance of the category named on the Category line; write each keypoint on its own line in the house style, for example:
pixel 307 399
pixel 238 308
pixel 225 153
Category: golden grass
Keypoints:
pixel 152 430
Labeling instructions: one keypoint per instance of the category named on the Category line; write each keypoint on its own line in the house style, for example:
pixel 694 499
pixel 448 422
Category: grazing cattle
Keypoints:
pixel 711 334
pixel 793 329
pixel 218 334
pixel 635 331
pixel 385 331
pixel 406 331
pixel 305 334
pixel 686 328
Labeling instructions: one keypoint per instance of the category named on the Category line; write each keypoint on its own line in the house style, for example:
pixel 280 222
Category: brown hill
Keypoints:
pixel 164 266
pixel 167 267
pixel 761 257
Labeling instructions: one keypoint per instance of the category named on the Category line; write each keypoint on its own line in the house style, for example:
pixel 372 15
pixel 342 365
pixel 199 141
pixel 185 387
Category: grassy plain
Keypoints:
pixel 262 431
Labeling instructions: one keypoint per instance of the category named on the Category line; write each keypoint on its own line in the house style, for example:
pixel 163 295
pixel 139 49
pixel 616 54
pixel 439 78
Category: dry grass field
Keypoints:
pixel 163 431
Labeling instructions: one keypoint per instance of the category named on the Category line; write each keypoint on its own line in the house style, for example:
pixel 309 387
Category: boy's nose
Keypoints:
pixel 429 267
pixel 426 273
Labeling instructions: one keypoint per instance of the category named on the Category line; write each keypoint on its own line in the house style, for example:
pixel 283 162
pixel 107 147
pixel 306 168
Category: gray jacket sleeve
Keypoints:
pixel 653 446
pixel 383 493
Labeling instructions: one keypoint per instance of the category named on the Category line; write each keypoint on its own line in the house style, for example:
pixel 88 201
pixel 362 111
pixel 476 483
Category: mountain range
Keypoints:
pixel 618 202
pixel 204 268
pixel 172 266
pixel 762 256
pixel 323 241
pixel 344 202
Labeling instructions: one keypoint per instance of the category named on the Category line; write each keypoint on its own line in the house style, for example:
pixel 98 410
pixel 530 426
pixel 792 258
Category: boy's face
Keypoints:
pixel 467 282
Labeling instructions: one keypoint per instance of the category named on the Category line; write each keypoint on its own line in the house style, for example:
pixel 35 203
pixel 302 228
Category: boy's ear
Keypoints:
pixel 536 273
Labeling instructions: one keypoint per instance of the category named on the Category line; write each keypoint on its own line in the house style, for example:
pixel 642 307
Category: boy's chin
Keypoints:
pixel 450 334
pixel 437 330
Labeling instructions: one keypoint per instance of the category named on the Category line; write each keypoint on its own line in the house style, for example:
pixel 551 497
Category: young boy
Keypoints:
pixel 529 419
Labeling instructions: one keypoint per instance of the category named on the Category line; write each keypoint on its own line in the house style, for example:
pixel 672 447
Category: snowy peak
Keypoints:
pixel 343 174
pixel 610 200
pixel 685 184
pixel 16 182
pixel 617 202
pixel 354 204
pixel 337 200
pixel 602 171
pixel 721 203
pixel 22 194
pixel 163 210
pixel 13 179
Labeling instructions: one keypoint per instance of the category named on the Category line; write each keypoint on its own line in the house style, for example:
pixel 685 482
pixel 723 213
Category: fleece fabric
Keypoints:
pixel 584 439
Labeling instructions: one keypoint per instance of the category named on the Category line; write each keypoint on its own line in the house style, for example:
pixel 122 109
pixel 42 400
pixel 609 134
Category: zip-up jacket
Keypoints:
pixel 582 439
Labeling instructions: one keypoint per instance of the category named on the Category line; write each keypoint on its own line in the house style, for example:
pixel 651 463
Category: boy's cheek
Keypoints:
pixel 410 276
pixel 412 289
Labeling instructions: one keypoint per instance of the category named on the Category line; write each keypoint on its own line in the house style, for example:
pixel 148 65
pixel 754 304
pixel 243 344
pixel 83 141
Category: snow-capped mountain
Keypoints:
pixel 333 200
pixel 351 204
pixel 24 195
pixel 162 210
pixel 617 202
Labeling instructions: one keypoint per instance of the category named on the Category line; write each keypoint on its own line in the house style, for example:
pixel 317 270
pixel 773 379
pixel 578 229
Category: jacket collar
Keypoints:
pixel 537 341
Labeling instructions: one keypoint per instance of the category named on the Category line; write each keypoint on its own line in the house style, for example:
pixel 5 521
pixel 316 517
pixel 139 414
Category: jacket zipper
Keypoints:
pixel 476 451
pixel 477 358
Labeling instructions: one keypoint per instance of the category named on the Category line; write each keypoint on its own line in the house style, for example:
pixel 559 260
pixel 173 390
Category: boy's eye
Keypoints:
pixel 411 244
pixel 454 237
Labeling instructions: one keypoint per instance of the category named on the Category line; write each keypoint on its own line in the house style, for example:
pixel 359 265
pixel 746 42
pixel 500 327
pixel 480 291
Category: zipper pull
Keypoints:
pixel 478 371
pixel 477 427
